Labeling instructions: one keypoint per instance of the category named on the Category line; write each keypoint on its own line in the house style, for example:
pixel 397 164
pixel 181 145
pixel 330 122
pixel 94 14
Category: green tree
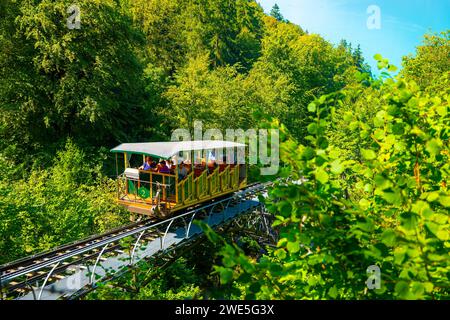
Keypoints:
pixel 294 69
pixel 389 207
pixel 276 13
pixel 68 202
pixel 231 30
pixel 432 59
pixel 56 82
pixel 358 57
pixel 217 97
pixel 164 24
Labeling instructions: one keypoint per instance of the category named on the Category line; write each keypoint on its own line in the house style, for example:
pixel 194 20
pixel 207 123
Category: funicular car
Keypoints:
pixel 200 171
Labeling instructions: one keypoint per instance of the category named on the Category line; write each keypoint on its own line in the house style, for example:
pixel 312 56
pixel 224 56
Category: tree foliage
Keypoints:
pixel 67 202
pixel 56 82
pixel 276 13
pixel 384 203
pixel 431 61
pixel 372 153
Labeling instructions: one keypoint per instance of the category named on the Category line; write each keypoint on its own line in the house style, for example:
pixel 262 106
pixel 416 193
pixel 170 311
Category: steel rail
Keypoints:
pixel 105 239
pixel 64 267
pixel 42 255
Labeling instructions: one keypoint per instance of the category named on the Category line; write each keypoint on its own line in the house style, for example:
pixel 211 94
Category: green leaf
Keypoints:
pixel 348 116
pixel 321 176
pixel 432 196
pixel 364 204
pixel 392 68
pixel 381 65
pixel 434 146
pixel 282 242
pixel 320 161
pixel 366 225
pixel 336 167
pixel 392 197
pixel 246 264
pixel 228 262
pixel 354 125
pixel 398 129
pixel 312 107
pixel 280 253
pixel 443 234
pixel 333 292
pixel 226 275
pixel 388 238
pixel 445 201
pixel 293 247
pixel 285 208
pixel 417 290
pixel 313 128
pixel 409 220
pixel 428 286
pixel 322 99
pixel 378 57
pixel 432 227
pixel 275 268
pixel 381 182
pixel 401 289
pixel 322 143
pixel 368 154
pixel 308 153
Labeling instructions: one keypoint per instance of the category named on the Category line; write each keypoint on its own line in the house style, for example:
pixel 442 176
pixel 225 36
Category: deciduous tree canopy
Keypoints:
pixel 374 151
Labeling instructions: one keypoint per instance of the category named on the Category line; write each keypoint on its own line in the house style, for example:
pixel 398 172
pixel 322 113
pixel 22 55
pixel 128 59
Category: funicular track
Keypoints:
pixel 19 274
pixel 68 269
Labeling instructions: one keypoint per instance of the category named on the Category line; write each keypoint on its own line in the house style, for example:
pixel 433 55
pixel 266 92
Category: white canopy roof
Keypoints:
pixel 168 149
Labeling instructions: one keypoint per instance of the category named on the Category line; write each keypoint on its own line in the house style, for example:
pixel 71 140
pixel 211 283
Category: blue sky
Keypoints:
pixel 403 22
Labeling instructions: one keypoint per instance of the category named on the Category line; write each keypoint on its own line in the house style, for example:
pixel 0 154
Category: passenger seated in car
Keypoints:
pixel 200 166
pixel 212 165
pixel 172 167
pixel 148 164
pixel 188 166
pixel 163 168
pixel 183 171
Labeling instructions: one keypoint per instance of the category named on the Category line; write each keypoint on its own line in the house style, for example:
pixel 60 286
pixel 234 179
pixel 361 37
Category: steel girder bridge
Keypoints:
pixel 69 271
